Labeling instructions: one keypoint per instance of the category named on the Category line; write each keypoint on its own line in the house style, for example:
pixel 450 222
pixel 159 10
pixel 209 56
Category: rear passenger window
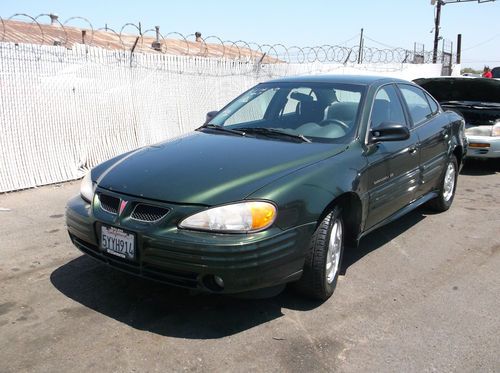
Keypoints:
pixel 432 103
pixel 417 103
pixel 387 107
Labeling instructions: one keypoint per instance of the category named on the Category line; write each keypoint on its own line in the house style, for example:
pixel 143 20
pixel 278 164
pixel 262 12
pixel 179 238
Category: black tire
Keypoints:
pixel 444 200
pixel 315 282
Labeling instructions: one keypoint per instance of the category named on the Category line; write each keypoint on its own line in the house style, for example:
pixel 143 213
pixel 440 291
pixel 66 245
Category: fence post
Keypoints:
pixel 132 50
pixel 360 52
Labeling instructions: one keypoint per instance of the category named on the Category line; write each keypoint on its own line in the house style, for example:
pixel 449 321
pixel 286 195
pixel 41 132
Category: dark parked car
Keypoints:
pixel 495 72
pixel 274 187
pixel 478 100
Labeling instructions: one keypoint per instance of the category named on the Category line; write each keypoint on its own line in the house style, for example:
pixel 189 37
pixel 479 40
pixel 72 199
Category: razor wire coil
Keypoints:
pixel 194 45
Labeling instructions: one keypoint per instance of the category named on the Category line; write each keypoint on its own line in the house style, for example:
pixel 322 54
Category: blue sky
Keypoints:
pixel 397 23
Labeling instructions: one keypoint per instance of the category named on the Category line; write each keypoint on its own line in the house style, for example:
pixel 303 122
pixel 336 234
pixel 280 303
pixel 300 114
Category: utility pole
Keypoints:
pixel 459 48
pixel 437 21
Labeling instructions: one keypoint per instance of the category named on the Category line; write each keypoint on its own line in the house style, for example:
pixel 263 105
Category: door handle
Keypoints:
pixel 412 150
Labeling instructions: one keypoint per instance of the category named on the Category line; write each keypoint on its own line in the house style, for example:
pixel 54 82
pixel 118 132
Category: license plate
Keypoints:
pixel 117 242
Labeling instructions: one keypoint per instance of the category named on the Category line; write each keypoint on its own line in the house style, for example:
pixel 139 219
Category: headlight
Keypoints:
pixel 495 131
pixel 87 188
pixel 236 218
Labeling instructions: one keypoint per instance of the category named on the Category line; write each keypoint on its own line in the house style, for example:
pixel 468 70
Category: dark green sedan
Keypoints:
pixel 272 188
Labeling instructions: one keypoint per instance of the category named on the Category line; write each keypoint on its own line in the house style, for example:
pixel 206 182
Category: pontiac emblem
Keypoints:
pixel 123 204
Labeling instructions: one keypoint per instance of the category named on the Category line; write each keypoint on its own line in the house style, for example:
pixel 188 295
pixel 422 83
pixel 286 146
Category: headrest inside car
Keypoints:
pixel 302 97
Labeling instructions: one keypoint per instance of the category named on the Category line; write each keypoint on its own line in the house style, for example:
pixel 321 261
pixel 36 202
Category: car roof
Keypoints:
pixel 352 79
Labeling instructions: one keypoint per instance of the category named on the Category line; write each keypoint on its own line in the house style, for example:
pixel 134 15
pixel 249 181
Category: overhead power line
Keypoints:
pixel 380 43
pixel 350 39
pixel 483 43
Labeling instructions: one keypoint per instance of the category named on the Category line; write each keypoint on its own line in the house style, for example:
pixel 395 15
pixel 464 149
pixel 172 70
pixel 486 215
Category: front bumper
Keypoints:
pixel 191 259
pixel 483 147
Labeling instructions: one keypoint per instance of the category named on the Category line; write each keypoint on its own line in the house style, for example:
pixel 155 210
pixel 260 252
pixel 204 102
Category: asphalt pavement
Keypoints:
pixel 419 295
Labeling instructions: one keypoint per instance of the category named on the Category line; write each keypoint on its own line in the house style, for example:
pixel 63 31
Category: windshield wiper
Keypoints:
pixel 221 128
pixel 273 132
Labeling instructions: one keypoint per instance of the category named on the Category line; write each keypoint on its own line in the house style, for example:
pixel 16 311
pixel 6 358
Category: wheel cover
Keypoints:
pixel 449 182
pixel 334 249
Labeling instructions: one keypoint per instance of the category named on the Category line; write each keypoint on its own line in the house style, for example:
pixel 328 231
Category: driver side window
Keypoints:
pixel 387 107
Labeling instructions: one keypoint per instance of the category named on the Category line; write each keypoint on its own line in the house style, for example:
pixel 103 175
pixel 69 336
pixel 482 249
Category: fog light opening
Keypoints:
pixel 219 281
pixel 214 283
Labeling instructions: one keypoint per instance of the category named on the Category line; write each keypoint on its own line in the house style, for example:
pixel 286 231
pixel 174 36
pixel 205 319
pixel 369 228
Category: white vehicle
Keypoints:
pixel 478 100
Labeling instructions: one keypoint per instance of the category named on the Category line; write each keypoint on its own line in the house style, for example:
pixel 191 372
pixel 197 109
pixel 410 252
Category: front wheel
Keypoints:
pixel 323 259
pixel 447 187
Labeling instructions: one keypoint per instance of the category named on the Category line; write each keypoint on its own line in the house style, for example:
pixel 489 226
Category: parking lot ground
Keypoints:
pixel 421 294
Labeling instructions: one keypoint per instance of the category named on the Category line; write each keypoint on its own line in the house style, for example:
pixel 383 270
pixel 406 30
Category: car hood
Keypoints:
pixel 462 89
pixel 477 99
pixel 208 169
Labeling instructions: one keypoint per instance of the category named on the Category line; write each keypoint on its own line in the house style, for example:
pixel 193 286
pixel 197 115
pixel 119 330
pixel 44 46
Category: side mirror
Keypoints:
pixel 388 131
pixel 210 116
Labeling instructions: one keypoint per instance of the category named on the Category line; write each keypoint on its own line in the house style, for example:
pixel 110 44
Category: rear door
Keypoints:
pixel 393 169
pixel 434 132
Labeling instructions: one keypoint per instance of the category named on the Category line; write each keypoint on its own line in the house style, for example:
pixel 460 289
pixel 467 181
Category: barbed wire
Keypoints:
pixel 133 38
pixel 3 28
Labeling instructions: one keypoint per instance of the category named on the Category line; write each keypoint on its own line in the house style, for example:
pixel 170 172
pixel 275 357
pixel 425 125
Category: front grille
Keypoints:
pixel 148 213
pixel 109 203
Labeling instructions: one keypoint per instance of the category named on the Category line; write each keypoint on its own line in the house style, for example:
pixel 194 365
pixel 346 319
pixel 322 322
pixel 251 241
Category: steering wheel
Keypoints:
pixel 335 121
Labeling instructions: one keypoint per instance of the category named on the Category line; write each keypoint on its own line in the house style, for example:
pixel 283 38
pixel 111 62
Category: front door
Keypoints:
pixel 393 170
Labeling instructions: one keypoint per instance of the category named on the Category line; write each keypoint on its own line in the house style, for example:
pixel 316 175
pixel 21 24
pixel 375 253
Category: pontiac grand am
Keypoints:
pixel 274 187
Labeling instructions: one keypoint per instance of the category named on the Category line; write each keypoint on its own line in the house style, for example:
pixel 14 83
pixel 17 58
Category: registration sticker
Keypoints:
pixel 118 242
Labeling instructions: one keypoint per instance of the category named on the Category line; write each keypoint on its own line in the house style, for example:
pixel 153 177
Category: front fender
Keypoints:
pixel 303 195
pixel 458 139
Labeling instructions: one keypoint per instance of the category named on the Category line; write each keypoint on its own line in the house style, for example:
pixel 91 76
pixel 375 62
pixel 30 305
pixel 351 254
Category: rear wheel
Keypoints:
pixel 447 187
pixel 323 259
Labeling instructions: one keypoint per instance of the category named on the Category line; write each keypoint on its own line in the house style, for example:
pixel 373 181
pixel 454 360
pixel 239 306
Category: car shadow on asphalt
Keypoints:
pixel 480 167
pixel 382 236
pixel 174 312
pixel 165 310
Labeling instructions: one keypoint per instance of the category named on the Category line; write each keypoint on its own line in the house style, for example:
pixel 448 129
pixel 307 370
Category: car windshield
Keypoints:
pixel 318 112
